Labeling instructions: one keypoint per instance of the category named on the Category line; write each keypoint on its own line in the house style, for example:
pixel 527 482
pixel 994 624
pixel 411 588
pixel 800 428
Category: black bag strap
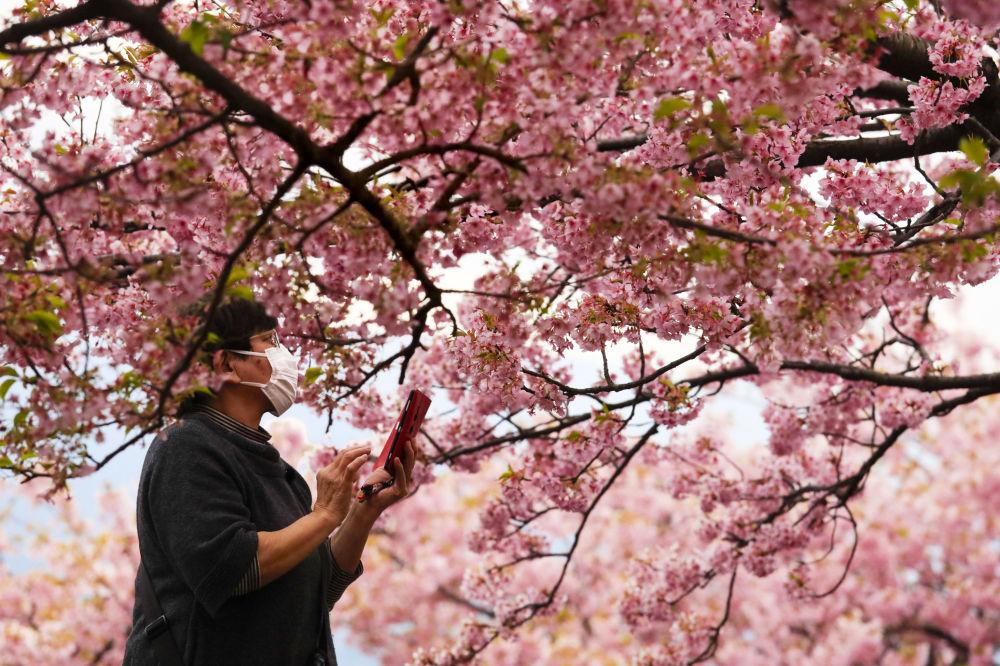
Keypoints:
pixel 158 631
pixel 326 558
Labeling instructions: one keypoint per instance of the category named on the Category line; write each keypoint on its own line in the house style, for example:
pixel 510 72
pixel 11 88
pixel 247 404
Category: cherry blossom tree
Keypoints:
pixel 656 200
pixel 923 587
pixel 74 606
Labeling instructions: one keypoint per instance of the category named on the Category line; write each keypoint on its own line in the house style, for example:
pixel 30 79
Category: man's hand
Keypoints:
pixel 402 466
pixel 335 483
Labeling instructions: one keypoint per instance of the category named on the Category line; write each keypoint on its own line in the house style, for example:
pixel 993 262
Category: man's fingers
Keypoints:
pixel 347 456
pixel 407 453
pixel 355 465
pixel 346 464
pixel 409 461
pixel 411 456
pixel 402 482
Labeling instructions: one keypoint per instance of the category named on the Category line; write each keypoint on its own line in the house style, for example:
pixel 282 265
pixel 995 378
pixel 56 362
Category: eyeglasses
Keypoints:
pixel 270 336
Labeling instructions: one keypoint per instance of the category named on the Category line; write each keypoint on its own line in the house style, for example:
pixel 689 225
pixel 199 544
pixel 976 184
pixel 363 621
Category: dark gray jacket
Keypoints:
pixel 204 492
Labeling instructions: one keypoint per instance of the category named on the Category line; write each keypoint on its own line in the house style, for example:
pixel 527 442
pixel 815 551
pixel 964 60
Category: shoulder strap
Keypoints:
pixel 158 631
pixel 326 566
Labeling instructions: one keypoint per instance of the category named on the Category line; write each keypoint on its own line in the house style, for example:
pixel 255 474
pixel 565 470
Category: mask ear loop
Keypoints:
pixel 248 353
pixel 253 353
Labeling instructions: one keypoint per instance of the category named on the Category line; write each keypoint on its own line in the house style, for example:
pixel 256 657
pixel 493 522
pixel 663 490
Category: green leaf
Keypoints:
pixel 973 251
pixel 312 374
pixel 7 370
pixel 195 35
pixel 975 186
pixel 47 323
pixel 975 149
pixel 759 328
pixel 27 455
pixel 703 251
pixel 56 302
pixel 719 121
pixel 852 269
pixel 6 387
pixel 130 380
pixel 6 462
pixel 241 291
pixel 639 267
pixel 668 106
pixel 399 46
pixel 21 417
pixel 238 273
pixel 696 143
pixel 772 111
pixel 956 178
pixel 382 16
pixel 500 55
pixel 509 474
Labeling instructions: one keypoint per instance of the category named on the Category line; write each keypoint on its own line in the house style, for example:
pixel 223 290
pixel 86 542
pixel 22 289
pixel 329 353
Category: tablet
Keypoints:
pixel 406 428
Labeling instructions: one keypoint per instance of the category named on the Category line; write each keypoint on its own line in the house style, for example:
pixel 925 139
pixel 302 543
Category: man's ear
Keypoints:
pixel 223 368
pixel 220 363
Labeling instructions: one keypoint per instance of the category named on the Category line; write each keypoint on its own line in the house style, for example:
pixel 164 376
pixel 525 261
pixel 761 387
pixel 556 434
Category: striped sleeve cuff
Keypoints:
pixel 250 580
pixel 339 581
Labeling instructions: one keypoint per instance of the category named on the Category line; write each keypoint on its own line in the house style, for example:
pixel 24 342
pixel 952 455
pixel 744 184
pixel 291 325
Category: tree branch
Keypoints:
pixel 57 21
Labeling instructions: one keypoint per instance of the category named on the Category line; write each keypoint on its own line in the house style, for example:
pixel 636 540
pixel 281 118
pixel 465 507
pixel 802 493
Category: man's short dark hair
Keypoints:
pixel 232 325
pixel 235 321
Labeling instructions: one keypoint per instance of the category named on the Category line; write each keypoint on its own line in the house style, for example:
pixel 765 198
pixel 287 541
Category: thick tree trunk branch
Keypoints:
pixel 976 385
pixel 891 90
pixel 147 23
pixel 867 149
pixel 901 55
pixel 905 56
pixel 927 384
pixel 64 19
pixel 881 148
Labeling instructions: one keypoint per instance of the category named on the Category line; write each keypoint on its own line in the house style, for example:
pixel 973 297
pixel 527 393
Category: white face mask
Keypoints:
pixel 282 388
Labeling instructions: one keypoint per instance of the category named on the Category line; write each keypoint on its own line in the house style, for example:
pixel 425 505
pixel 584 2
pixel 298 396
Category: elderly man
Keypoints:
pixel 238 565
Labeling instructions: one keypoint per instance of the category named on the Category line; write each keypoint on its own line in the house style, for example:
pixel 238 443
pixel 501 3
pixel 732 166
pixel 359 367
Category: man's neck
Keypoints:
pixel 237 407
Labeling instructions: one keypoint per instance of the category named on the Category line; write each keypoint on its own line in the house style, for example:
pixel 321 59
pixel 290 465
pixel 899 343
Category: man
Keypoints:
pixel 244 567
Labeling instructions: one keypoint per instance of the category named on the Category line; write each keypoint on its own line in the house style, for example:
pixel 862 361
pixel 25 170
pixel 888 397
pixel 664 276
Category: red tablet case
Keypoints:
pixel 407 425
